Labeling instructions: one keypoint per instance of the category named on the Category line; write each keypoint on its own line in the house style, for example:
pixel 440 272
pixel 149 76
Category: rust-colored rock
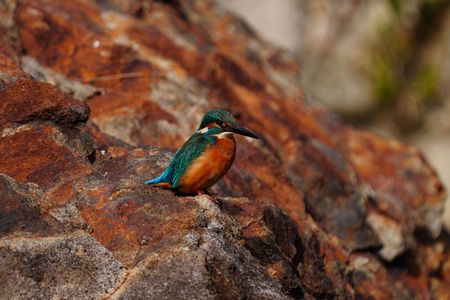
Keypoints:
pixel 41 154
pixel 26 100
pixel 315 210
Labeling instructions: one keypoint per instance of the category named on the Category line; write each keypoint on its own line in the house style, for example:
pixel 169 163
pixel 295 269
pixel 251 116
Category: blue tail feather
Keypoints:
pixel 162 178
pixel 153 181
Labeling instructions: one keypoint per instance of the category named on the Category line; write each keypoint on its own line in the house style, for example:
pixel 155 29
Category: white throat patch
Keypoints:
pixel 223 135
pixel 203 130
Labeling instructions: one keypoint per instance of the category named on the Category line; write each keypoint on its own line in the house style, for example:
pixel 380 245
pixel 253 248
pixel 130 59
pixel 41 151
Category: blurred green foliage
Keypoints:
pixel 396 6
pixel 383 79
pixel 387 61
pixel 426 83
pixel 405 82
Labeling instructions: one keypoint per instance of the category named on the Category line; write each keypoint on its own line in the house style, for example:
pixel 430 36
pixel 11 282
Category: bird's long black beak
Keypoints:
pixel 242 131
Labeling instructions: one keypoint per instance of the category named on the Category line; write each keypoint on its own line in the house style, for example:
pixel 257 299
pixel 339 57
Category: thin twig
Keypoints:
pixel 113 77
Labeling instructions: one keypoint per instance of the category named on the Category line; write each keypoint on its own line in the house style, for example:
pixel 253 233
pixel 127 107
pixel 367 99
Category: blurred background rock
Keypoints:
pixel 379 64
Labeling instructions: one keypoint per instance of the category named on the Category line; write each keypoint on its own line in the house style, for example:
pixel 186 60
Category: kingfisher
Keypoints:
pixel 205 157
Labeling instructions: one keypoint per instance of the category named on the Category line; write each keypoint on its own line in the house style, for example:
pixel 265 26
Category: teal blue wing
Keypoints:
pixel 192 149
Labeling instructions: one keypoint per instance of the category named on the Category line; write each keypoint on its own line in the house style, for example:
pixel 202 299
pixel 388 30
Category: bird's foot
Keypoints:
pixel 204 192
pixel 211 195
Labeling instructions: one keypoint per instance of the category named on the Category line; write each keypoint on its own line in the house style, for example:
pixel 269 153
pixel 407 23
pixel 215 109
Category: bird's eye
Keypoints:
pixel 220 123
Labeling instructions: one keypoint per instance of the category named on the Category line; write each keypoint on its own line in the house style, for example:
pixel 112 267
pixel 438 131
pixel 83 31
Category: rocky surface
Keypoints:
pixel 96 96
pixel 381 64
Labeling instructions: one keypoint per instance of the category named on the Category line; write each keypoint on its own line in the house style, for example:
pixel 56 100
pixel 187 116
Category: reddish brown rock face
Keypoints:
pixel 315 210
pixel 26 100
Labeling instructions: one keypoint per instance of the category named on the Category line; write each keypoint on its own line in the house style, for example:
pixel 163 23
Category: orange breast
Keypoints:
pixel 208 168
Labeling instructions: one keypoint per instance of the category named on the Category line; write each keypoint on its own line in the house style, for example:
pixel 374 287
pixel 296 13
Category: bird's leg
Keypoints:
pixel 204 192
pixel 211 195
pixel 207 192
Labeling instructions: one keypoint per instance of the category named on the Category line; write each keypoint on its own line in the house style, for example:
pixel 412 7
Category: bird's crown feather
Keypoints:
pixel 216 115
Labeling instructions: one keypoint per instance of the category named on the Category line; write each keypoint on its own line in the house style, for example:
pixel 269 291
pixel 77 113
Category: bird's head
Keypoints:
pixel 217 121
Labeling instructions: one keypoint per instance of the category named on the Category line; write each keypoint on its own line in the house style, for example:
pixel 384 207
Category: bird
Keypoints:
pixel 205 157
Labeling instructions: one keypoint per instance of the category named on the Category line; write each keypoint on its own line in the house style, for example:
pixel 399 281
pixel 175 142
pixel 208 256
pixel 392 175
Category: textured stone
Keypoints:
pixel 208 261
pixel 72 88
pixel 410 177
pixel 64 267
pixel 41 154
pixel 372 280
pixel 26 100
pixel 20 210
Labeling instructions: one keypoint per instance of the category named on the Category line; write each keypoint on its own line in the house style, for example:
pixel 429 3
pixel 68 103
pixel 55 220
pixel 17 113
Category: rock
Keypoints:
pixel 208 263
pixel 295 216
pixel 371 279
pixel 20 210
pixel 412 178
pixel 26 100
pixel 72 88
pixel 63 266
pixel 390 234
pixel 42 154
